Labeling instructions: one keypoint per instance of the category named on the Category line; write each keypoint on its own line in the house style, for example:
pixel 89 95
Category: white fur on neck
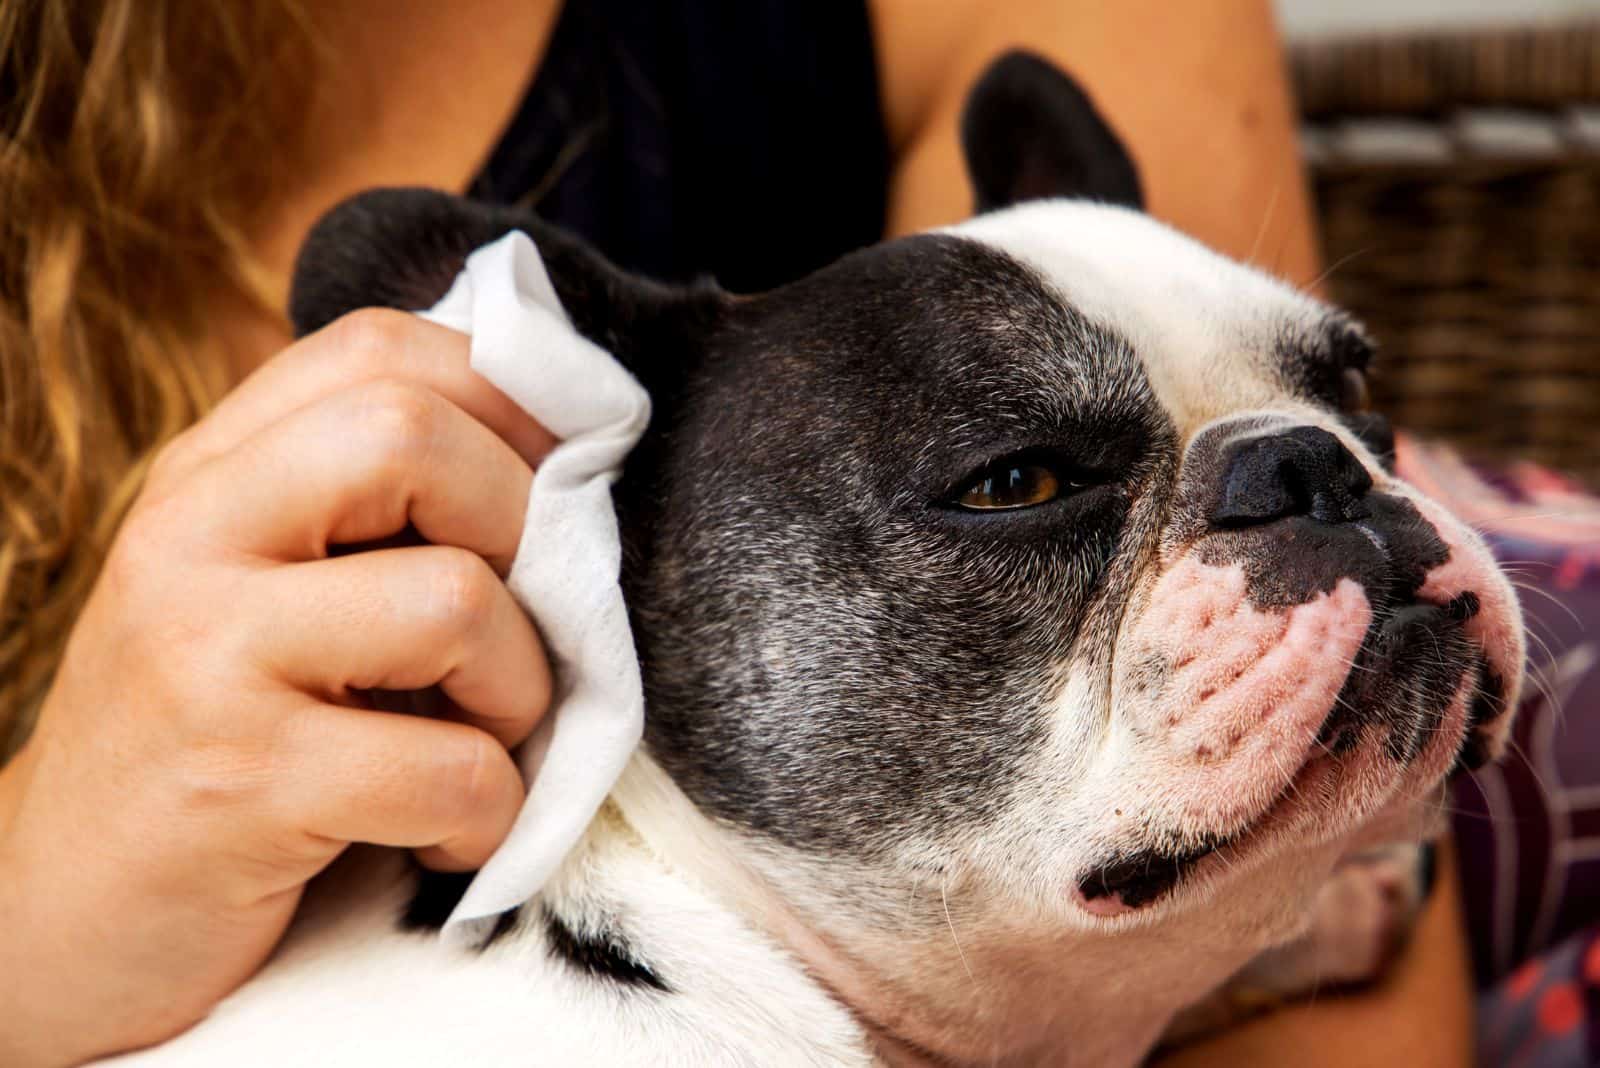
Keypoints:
pixel 349 987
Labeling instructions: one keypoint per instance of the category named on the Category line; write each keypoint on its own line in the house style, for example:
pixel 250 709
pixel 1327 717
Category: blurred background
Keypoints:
pixel 1454 147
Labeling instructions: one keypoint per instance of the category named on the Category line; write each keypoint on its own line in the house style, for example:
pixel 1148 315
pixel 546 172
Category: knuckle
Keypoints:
pixel 465 590
pixel 219 773
pixel 167 606
pixel 473 769
pixel 372 337
pixel 161 546
pixel 398 419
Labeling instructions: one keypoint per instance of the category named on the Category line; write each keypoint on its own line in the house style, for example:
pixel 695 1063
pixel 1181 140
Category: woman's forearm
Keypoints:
pixel 1421 1016
pixel 1201 100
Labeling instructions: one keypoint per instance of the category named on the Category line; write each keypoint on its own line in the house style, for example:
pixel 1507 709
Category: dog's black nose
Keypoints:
pixel 1304 471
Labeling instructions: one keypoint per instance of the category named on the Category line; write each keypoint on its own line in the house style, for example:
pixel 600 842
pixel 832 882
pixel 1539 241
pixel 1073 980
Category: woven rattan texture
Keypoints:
pixel 1480 279
pixel 1481 284
pixel 1538 66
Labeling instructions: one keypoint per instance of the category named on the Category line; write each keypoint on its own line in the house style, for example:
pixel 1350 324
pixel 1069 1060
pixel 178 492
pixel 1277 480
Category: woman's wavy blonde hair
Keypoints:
pixel 136 138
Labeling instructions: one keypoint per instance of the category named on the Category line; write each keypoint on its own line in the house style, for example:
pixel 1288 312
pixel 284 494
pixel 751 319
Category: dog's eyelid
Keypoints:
pixel 1018 480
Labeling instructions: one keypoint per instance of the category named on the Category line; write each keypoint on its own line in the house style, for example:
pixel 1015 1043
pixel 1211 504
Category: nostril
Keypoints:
pixel 1304 471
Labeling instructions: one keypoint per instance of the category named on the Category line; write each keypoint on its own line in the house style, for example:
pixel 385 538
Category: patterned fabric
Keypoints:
pixel 1544 1014
pixel 1528 829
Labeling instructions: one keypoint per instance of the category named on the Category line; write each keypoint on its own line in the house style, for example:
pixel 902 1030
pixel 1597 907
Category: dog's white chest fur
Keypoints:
pixel 349 988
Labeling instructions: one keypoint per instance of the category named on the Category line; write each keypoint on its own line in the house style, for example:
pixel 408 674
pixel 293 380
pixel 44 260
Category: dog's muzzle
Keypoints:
pixel 1314 634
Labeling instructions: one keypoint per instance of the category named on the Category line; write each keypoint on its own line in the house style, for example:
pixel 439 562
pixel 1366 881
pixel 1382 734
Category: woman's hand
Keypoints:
pixel 207 746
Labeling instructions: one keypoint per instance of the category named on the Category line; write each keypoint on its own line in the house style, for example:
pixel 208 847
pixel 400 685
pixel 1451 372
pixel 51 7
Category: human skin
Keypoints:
pixel 1431 980
pixel 208 745
pixel 205 751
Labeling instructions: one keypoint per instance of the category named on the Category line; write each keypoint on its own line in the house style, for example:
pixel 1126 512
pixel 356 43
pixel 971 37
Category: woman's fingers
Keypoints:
pixel 362 465
pixel 352 435
pixel 447 790
pixel 405 619
pixel 365 346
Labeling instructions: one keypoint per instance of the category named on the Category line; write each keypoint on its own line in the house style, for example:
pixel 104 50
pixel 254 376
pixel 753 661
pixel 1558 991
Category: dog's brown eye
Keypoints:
pixel 1011 484
pixel 1354 393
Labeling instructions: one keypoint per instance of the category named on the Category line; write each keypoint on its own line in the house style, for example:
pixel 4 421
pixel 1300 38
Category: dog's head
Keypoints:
pixel 1051 550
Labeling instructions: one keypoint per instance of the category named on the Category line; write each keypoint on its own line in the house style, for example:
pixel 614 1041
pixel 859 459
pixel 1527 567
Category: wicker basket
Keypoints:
pixel 1469 240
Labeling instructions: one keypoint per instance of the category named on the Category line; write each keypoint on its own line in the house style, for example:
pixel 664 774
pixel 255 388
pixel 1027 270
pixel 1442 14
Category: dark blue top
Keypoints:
pixel 743 139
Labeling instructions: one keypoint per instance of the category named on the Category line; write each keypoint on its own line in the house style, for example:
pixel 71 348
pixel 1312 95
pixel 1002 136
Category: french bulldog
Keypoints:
pixel 1037 646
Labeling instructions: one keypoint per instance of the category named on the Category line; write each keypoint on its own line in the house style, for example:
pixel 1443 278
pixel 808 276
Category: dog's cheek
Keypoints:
pixel 808 697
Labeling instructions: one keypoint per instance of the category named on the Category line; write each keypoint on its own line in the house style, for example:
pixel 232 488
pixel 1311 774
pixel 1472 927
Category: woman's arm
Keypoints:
pixel 1421 1015
pixel 1201 100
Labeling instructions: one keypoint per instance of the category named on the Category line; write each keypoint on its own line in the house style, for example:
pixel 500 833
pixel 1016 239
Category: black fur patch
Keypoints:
pixel 603 955
pixel 436 896
pixel 1409 669
pixel 1488 705
pixel 1145 876
pixel 1313 361
pixel 1490 701
pixel 402 248
pixel 832 655
pixel 1030 132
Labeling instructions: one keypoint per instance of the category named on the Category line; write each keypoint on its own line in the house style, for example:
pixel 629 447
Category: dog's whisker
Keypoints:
pixel 1310 287
pixel 944 899
pixel 1527 587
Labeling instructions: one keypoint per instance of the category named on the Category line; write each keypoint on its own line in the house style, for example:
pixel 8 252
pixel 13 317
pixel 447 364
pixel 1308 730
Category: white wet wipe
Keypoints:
pixel 566 569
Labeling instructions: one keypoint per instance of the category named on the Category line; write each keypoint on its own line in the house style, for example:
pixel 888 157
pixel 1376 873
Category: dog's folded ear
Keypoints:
pixel 1030 132
pixel 402 248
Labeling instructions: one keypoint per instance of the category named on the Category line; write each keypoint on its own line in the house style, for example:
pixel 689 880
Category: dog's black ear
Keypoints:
pixel 1029 132
pixel 402 248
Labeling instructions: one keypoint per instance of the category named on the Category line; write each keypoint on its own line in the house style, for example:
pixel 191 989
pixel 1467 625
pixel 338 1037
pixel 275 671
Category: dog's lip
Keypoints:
pixel 1130 883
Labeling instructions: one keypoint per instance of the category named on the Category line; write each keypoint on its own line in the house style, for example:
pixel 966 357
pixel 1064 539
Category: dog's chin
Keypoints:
pixel 1400 725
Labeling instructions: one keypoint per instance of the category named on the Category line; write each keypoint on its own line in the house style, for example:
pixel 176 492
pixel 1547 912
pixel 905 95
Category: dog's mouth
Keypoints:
pixel 1134 881
pixel 1392 708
